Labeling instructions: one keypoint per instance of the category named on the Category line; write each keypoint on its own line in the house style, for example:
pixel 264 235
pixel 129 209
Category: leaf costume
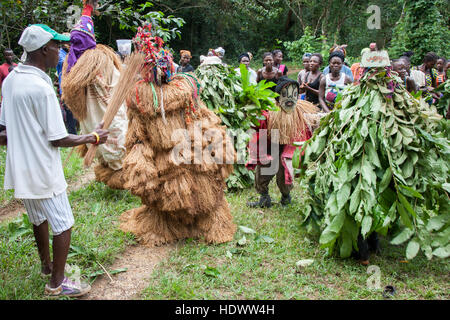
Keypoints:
pixel 379 162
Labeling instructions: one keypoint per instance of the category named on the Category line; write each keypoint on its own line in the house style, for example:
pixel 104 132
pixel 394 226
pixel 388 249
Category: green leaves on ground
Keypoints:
pixel 379 161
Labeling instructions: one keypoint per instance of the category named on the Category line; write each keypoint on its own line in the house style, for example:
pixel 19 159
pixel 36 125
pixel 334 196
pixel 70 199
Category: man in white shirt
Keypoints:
pixel 32 127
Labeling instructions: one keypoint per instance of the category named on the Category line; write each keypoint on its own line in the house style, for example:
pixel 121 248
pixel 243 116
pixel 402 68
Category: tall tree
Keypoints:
pixel 422 29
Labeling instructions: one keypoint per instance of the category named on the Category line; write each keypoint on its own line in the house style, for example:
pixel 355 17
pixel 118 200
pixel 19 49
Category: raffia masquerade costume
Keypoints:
pixel 90 73
pixel 183 196
pixel 276 158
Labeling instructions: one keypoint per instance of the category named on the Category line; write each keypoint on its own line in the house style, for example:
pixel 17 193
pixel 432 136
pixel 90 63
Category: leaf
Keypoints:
pixel 337 223
pixel 247 230
pixel 404 216
pixel 364 130
pixel 296 158
pixel 443 252
pixel 436 223
pixel 402 237
pixel 366 224
pixel 410 192
pixel 327 237
pixel 355 199
pixel 412 249
pixel 385 181
pixel 116 271
pixel 267 239
pixel 343 195
pixel 373 155
pixel 212 272
pixel 407 205
pixel 304 263
pixel 367 172
pixel 242 241
pixel 346 246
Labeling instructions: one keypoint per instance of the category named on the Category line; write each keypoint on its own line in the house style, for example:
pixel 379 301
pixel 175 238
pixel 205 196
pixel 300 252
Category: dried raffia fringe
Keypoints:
pixel 112 178
pixel 176 96
pixel 100 61
pixel 290 125
pixel 121 91
pixel 163 113
pixel 180 201
pixel 165 136
pixel 154 228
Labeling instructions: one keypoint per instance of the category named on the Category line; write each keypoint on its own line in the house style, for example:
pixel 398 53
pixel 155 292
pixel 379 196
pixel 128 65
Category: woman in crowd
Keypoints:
pixel 399 66
pixel 302 74
pixel 417 75
pixel 311 84
pixel 345 69
pixel 431 74
pixel 334 82
pixel 184 62
pixel 277 60
pixel 442 74
pixel 268 72
pixel 245 60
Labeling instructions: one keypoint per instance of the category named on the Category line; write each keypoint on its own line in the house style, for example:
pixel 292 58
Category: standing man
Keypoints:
pixel 31 125
pixel 7 67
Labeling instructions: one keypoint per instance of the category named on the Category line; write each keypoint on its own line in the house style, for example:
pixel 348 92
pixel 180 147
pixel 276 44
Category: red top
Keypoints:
pixel 257 156
pixel 4 72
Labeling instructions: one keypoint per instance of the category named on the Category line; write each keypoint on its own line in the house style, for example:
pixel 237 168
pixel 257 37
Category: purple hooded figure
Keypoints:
pixel 82 38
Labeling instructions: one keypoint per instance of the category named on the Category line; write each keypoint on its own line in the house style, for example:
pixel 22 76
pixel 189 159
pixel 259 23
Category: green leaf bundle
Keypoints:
pixel 444 102
pixel 239 104
pixel 378 163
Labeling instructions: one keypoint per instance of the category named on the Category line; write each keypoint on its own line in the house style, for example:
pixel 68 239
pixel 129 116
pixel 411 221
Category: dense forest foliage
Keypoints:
pixel 252 25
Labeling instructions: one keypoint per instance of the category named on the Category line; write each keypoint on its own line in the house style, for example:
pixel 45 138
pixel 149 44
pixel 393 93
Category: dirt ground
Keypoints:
pixel 140 262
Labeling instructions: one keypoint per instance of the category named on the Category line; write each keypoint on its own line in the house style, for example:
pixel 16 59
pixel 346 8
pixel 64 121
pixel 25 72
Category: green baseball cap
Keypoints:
pixel 56 36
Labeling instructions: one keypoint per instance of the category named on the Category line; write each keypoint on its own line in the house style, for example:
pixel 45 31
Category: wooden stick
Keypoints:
pixel 127 81
pixel 68 157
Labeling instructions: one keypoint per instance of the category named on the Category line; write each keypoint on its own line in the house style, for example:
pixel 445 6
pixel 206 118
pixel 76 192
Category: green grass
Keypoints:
pixel 95 239
pixel 262 270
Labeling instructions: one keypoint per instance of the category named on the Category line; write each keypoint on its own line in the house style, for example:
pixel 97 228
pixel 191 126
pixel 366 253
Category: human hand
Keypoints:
pixel 103 134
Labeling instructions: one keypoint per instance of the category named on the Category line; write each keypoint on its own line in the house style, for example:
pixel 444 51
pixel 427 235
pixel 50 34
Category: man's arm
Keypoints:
pixel 322 102
pixel 73 140
pixel 3 138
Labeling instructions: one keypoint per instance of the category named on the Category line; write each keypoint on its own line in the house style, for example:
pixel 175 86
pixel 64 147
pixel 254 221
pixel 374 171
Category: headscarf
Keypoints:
pixel 338 53
pixel 82 38
pixel 219 52
pixel 307 55
pixel 341 48
pixel 242 56
pixel 185 53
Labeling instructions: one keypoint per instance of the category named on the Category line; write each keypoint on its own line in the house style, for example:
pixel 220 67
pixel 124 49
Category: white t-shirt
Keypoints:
pixel 253 75
pixel 32 116
pixel 419 78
